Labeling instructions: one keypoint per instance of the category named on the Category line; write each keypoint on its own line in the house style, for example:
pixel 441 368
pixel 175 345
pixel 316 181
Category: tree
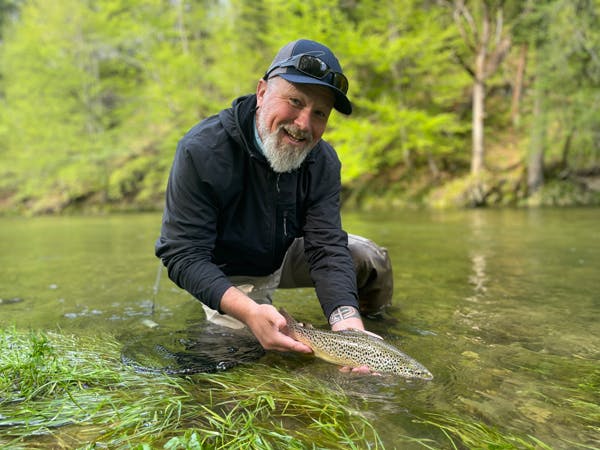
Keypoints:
pixel 404 87
pixel 565 72
pixel 95 93
pixel 8 10
pixel 93 89
pixel 485 34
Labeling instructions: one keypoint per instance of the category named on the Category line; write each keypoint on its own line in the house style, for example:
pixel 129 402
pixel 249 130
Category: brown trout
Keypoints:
pixel 353 348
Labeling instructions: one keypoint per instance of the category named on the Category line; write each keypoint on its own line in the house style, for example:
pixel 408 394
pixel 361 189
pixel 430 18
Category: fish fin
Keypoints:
pixel 289 319
pixel 356 331
pixel 350 332
pixel 370 333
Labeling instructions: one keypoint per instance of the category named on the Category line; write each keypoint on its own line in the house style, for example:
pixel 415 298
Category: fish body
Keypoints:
pixel 354 348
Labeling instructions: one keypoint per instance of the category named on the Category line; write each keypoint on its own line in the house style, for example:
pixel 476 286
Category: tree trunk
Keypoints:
pixel 489 44
pixel 178 4
pixel 567 148
pixel 515 110
pixel 477 157
pixel 535 169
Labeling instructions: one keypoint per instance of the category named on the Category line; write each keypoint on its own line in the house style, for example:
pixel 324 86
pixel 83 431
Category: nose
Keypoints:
pixel 303 119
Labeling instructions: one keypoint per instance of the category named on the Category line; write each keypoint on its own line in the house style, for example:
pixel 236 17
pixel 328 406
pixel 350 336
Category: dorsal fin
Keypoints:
pixel 356 331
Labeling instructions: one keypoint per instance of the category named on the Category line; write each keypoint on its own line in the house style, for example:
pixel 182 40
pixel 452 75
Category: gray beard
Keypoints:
pixel 282 157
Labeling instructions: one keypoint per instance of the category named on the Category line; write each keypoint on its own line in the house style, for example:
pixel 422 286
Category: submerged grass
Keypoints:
pixel 461 433
pixel 60 391
pixel 71 392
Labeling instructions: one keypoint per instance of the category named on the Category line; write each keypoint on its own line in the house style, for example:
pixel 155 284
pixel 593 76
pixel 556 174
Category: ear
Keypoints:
pixel 261 88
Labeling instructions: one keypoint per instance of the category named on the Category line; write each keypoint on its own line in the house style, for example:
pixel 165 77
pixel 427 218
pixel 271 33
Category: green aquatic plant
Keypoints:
pixel 61 391
pixel 33 367
pixel 294 411
pixel 462 433
pixel 72 392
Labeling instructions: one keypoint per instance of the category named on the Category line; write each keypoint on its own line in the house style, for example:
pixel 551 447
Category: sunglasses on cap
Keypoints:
pixel 314 67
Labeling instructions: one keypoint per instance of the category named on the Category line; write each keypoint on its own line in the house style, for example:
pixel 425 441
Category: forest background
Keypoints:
pixel 457 102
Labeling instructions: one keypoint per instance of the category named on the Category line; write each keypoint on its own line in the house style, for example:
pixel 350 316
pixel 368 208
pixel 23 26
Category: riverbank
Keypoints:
pixel 394 189
pixel 397 190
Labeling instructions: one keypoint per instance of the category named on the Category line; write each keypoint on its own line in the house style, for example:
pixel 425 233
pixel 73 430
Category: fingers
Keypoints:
pixel 286 344
pixel 268 324
pixel 299 347
pixel 363 370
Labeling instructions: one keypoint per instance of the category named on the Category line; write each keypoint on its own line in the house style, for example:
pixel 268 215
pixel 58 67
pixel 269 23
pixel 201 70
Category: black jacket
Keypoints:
pixel 228 213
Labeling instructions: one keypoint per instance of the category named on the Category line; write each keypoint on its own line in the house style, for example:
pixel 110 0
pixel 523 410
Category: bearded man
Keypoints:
pixel 253 204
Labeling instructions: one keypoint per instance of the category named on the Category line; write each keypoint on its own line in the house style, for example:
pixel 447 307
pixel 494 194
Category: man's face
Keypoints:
pixel 291 118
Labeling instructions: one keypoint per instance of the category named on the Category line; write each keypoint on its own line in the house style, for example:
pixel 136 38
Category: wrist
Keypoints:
pixel 343 313
pixel 237 304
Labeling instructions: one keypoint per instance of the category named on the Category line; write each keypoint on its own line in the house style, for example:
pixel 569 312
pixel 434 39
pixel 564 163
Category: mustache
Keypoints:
pixel 296 132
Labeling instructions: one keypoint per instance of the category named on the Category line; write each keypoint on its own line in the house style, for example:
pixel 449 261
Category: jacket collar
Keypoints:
pixel 238 121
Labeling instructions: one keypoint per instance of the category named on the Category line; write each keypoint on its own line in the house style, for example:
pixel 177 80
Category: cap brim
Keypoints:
pixel 342 104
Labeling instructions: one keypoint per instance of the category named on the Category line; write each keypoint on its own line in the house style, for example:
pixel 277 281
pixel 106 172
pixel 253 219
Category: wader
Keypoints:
pixel 373 278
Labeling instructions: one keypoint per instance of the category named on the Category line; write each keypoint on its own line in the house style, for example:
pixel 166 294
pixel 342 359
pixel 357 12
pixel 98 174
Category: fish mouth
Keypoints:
pixel 422 374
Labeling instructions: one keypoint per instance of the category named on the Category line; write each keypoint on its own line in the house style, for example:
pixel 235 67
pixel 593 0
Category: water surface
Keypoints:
pixel 501 306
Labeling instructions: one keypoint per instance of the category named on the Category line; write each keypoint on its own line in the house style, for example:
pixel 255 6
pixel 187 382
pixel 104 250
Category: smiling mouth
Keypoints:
pixel 296 136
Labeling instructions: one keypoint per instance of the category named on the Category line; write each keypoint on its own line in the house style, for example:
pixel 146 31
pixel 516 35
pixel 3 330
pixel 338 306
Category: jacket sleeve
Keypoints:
pixel 325 242
pixel 189 228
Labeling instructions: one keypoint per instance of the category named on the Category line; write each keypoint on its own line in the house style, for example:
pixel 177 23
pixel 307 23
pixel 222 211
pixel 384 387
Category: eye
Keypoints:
pixel 295 102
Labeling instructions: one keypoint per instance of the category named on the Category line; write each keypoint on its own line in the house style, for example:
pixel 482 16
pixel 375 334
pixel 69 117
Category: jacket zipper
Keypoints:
pixel 278 191
pixel 284 212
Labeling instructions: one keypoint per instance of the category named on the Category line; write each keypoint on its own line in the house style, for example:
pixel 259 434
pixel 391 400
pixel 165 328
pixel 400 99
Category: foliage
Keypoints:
pixel 567 68
pixel 95 94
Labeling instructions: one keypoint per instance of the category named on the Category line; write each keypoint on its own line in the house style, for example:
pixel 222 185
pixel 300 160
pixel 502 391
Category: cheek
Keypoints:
pixel 273 116
pixel 265 118
pixel 318 130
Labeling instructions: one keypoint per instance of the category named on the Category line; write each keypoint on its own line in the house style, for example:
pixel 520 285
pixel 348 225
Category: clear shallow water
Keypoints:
pixel 502 306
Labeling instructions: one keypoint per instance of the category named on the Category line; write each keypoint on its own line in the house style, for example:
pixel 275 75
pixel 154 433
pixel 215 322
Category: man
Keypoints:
pixel 253 204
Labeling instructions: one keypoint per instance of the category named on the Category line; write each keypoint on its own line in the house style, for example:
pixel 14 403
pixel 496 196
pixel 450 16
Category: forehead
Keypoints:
pixel 320 95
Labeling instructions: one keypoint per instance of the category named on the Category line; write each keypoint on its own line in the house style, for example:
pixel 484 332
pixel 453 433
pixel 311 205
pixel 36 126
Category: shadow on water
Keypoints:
pixel 201 348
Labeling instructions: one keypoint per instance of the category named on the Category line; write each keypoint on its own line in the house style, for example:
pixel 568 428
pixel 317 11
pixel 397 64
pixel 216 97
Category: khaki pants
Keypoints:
pixel 372 265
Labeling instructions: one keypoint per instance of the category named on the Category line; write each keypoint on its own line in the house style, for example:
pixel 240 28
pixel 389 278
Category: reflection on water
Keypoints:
pixel 478 278
pixel 501 306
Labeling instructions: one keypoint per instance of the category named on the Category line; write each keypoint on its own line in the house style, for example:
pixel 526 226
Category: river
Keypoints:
pixel 502 306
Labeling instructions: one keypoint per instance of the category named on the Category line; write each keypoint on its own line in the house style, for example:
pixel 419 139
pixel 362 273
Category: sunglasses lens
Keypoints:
pixel 316 68
pixel 340 82
pixel 312 66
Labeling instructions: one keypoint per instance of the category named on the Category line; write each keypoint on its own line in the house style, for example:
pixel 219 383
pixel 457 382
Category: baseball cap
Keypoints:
pixel 309 62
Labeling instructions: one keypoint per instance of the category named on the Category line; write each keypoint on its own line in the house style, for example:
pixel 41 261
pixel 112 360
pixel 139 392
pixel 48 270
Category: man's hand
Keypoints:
pixel 267 324
pixel 264 321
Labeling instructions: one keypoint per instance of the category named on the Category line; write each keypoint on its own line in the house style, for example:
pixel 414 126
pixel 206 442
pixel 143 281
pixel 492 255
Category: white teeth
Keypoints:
pixel 298 137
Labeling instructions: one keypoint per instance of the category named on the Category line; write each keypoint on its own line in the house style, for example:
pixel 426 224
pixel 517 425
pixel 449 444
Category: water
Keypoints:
pixel 502 307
